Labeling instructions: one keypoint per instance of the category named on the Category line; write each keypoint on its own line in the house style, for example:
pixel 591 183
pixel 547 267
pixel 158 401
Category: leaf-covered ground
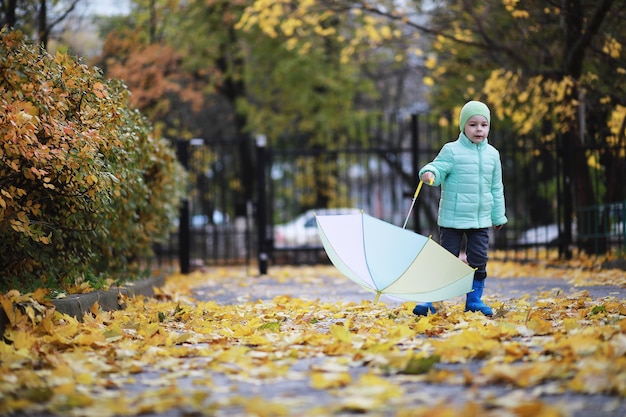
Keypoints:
pixel 308 342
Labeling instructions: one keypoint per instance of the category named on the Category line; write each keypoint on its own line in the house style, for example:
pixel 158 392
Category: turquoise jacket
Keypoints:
pixel 472 193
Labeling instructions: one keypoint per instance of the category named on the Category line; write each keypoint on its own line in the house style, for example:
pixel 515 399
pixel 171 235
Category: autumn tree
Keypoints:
pixel 85 188
pixel 303 93
pixel 163 91
pixel 294 81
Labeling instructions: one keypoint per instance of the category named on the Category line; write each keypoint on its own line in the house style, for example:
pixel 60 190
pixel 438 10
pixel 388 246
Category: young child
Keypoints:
pixel 472 197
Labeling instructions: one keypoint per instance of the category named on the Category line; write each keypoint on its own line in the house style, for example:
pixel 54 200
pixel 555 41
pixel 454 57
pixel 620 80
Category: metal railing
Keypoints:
pixel 376 171
pixel 603 226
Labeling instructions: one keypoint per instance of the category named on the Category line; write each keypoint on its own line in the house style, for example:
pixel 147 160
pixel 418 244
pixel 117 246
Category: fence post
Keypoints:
pixel 183 226
pixel 261 142
pixel 565 235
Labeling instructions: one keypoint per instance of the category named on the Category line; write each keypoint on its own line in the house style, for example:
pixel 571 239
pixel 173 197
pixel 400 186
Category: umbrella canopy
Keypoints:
pixel 393 261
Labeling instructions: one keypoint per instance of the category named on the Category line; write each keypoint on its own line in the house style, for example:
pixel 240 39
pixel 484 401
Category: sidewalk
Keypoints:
pixel 232 386
pixel 341 289
pixel 344 290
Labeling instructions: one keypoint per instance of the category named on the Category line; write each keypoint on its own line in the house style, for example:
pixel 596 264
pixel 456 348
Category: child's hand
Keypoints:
pixel 498 227
pixel 428 177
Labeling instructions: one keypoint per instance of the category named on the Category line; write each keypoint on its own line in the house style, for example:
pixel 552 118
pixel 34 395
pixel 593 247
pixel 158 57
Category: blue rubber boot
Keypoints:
pixel 474 302
pixel 423 309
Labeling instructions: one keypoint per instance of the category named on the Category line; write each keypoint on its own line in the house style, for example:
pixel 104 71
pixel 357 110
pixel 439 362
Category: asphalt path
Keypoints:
pixel 419 392
pixel 332 289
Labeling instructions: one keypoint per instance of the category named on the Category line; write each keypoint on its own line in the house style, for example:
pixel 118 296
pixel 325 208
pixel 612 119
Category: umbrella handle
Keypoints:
pixel 417 191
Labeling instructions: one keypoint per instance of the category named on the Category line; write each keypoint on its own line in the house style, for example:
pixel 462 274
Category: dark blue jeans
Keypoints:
pixel 476 250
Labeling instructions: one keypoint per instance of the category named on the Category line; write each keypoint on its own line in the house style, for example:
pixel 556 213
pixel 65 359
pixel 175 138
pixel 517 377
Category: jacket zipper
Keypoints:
pixel 480 181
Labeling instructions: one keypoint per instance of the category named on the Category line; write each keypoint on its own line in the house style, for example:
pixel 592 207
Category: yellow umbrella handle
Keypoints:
pixel 417 191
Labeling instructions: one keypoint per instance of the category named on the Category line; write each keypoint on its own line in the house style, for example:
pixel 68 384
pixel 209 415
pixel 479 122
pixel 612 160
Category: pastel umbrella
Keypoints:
pixel 386 259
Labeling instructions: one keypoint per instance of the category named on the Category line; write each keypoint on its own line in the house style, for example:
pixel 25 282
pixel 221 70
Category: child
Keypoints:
pixel 472 197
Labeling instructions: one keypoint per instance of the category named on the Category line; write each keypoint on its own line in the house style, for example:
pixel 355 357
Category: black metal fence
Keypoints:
pixel 373 168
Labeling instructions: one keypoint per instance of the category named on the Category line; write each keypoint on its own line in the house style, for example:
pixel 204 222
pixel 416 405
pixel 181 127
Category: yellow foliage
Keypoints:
pixel 612 48
pixel 304 24
pixel 263 408
pixel 530 102
pixel 616 124
pixel 431 62
pixel 520 14
pixel 326 380
pixel 510 5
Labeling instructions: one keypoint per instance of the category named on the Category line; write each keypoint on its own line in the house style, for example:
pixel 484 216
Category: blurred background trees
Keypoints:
pixel 310 69
pixel 227 78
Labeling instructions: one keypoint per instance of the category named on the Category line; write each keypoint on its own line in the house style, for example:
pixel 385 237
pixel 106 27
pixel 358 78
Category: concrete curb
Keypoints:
pixel 76 305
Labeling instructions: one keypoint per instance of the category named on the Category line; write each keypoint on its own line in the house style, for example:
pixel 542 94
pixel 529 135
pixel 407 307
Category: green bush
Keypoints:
pixel 85 188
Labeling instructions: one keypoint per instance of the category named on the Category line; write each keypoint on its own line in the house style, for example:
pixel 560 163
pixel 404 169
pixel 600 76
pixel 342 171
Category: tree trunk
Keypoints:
pixel 588 221
pixel 9 15
pixel 43 24
pixel 578 35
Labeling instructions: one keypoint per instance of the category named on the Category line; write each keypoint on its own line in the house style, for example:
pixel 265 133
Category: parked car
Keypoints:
pixel 542 235
pixel 201 221
pixel 302 231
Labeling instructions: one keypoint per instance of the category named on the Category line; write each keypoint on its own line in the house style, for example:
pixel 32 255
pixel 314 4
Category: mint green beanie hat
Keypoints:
pixel 473 108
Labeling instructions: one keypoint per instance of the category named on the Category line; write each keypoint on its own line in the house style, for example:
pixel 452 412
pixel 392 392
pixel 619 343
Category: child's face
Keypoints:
pixel 476 128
